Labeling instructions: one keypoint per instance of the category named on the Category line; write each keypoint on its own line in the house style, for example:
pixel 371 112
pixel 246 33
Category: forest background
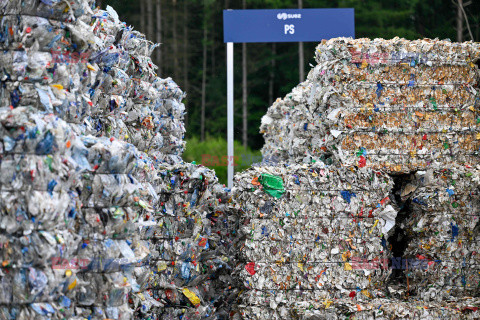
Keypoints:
pixel 193 54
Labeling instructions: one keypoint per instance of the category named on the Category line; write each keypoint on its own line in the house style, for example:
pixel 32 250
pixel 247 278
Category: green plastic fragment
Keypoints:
pixel 49 161
pixel 272 185
pixel 434 103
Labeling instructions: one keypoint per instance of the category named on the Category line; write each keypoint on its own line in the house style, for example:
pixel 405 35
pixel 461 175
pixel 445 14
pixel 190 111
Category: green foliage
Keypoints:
pixel 383 18
pixel 213 154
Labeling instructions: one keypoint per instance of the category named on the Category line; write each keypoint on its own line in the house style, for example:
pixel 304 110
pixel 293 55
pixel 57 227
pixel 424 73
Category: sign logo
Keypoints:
pixel 285 16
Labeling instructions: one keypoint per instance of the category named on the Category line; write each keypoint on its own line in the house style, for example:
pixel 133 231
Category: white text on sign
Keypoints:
pixel 289 29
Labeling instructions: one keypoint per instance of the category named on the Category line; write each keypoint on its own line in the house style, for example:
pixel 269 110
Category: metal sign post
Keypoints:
pixel 277 25
pixel 230 113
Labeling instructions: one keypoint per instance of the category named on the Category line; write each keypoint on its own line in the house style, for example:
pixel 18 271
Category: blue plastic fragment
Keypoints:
pixel 454 231
pixel 347 195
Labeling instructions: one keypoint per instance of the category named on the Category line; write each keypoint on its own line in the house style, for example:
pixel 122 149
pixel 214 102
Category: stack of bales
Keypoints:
pixel 89 132
pixel 409 110
pixel 192 250
pixel 132 103
pixel 50 217
pixel 394 105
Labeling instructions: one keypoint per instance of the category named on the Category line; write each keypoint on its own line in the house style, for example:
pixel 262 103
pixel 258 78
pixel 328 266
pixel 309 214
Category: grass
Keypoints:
pixel 212 153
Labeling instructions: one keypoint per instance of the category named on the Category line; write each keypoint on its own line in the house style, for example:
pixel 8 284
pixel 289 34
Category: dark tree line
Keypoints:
pixel 192 51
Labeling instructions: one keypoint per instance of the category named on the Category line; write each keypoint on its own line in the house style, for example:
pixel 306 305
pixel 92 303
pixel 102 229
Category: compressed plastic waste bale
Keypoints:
pixel 191 256
pixel 302 245
pixel 148 109
pixel 376 309
pixel 442 228
pixel 282 140
pixel 394 105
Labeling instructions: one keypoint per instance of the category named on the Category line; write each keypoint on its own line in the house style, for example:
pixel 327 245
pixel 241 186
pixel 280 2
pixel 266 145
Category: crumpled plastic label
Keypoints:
pixel 272 185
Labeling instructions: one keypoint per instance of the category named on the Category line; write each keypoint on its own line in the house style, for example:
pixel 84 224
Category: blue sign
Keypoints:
pixel 287 25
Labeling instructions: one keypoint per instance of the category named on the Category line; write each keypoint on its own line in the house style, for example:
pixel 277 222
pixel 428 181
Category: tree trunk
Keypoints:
pixel 212 54
pixel 459 21
pixel 185 55
pixel 204 74
pixel 477 32
pixel 175 41
pixel 150 22
pixel 159 36
pixel 244 91
pixel 301 63
pixel 271 81
pixel 142 16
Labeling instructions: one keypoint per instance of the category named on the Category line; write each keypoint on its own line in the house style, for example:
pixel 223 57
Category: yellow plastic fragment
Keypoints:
pixel 366 293
pixel 374 225
pixel 327 303
pixel 90 67
pixel 300 266
pixel 191 296
pixel 72 285
pixel 57 86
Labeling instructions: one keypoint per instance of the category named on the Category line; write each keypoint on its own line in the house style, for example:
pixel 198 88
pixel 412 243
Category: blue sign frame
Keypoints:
pixel 287 25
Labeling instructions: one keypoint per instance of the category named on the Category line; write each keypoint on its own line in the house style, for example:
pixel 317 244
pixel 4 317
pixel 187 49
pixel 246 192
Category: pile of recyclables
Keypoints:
pixel 370 213
pixel 372 210
pixel 100 217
